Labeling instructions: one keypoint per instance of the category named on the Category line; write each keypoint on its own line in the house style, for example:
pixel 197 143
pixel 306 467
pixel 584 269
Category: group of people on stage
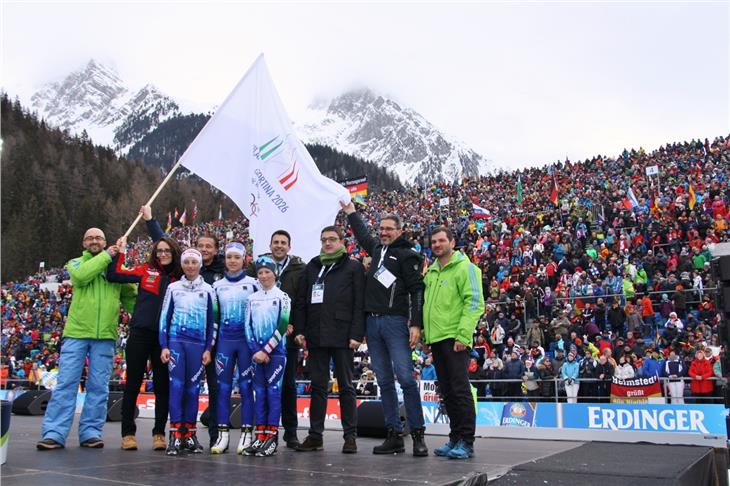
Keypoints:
pixel 196 312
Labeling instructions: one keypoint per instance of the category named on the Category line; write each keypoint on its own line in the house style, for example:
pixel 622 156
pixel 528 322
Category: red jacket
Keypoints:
pixel 703 368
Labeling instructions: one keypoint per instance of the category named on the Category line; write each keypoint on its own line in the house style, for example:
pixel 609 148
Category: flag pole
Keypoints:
pixel 154 195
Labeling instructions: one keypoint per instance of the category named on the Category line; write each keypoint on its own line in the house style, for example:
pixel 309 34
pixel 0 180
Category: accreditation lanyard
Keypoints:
pixel 318 288
pixel 383 251
pixel 283 267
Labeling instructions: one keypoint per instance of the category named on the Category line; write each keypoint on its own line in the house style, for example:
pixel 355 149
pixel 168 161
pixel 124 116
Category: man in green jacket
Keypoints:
pixel 452 308
pixel 91 330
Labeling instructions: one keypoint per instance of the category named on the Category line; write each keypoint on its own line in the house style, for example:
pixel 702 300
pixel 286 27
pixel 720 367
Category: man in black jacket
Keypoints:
pixel 213 269
pixel 394 317
pixel 289 270
pixel 328 317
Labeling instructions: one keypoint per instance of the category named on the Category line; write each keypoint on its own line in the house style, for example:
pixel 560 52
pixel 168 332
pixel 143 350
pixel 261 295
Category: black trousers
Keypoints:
pixel 453 380
pixel 289 394
pixel 319 372
pixel 144 345
pixel 212 380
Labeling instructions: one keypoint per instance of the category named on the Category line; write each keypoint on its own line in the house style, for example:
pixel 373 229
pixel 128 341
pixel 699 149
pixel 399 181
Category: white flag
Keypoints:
pixel 249 150
pixel 444 201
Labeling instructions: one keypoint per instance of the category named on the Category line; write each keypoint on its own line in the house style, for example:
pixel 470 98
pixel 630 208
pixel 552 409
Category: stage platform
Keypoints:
pixel 515 461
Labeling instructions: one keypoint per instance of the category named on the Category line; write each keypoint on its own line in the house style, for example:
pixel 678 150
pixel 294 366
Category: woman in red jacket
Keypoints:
pixel 700 372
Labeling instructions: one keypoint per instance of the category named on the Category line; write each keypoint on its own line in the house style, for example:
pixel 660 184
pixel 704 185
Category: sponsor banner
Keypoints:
pixel 428 391
pixel 693 419
pixel 500 414
pixel 637 390
pixel 357 186
pixel 146 401
pixel 332 413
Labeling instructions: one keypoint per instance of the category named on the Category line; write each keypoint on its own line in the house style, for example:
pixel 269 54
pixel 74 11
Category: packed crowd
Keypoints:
pixel 597 263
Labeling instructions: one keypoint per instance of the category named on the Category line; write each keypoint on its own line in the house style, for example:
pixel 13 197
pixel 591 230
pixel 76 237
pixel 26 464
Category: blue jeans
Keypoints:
pixel 390 353
pixel 60 412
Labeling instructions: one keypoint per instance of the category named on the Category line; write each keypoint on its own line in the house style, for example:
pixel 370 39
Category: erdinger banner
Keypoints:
pixel 637 390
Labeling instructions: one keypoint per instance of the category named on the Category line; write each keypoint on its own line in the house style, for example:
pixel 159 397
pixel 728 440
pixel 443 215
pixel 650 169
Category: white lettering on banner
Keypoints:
pixel 658 420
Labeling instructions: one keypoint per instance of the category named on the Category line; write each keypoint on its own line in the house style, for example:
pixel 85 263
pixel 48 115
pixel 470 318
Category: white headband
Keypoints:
pixel 235 247
pixel 191 253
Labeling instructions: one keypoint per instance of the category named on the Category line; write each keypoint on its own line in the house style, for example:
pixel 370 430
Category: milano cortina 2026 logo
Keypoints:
pixel 278 150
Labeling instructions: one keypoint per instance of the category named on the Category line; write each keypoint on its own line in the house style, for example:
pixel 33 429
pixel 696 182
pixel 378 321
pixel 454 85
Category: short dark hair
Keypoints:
pixel 208 235
pixel 282 233
pixel 444 229
pixel 395 218
pixel 334 229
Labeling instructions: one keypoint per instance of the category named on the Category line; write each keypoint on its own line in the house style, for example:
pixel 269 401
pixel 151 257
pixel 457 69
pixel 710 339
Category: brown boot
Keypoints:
pixel 158 442
pixel 129 443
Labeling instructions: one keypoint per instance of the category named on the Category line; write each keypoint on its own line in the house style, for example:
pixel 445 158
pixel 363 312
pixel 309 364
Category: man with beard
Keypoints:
pixel 453 304
pixel 90 331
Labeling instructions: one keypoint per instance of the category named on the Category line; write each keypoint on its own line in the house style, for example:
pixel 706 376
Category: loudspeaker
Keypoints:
pixel 234 420
pixel 371 419
pixel 114 407
pixel 32 402
pixel 721 267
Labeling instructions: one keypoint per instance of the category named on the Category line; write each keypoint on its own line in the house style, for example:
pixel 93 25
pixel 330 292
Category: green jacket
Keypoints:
pixel 454 300
pixel 94 312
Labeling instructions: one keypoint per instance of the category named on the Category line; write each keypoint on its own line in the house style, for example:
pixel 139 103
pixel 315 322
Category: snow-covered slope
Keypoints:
pixel 378 129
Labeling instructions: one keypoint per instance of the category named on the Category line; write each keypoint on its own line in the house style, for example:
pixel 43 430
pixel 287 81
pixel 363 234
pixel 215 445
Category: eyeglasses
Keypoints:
pixel 164 251
pixel 330 239
pixel 94 238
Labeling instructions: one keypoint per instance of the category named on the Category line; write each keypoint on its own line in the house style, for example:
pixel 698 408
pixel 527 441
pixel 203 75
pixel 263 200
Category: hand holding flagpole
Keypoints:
pixel 154 195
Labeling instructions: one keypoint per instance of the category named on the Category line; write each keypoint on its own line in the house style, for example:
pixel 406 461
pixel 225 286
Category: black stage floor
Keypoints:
pixel 513 461
pixel 73 465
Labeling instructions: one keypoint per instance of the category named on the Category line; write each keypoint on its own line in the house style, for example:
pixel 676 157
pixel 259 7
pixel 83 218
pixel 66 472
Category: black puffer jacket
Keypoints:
pixel 404 297
pixel 340 316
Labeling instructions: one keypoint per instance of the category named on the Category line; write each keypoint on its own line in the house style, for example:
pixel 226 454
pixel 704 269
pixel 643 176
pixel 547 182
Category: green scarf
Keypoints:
pixel 330 258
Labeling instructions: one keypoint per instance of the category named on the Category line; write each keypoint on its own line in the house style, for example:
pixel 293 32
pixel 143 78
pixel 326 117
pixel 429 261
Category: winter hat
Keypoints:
pixel 266 262
pixel 236 247
pixel 191 253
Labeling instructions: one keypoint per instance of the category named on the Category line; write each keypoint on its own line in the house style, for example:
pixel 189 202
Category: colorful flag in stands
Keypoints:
pixel 220 212
pixel 169 222
pixel 177 214
pixel 359 199
pixel 519 190
pixel 554 192
pixel 357 187
pixel 480 212
pixel 692 198
pixel 194 215
pixel 184 217
pixel 630 200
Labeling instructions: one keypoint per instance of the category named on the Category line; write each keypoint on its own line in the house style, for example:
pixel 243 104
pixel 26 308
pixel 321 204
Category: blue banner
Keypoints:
pixel 694 419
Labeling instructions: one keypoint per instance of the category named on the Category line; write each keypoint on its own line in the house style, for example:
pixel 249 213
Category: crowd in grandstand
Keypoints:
pixel 595 264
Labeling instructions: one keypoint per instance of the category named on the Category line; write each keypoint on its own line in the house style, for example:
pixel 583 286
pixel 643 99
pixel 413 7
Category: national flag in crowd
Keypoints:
pixel 194 215
pixel 177 214
pixel 630 200
pixel 519 190
pixel 220 212
pixel 692 198
pixel 250 151
pixel 359 199
pixel 184 217
pixel 169 222
pixel 480 212
pixel 554 192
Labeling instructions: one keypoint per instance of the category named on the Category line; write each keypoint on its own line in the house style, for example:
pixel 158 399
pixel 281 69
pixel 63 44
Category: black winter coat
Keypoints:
pixel 404 297
pixel 340 317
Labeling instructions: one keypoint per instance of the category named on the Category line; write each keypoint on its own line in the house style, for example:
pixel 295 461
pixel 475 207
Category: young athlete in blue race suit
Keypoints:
pixel 187 332
pixel 232 350
pixel 267 321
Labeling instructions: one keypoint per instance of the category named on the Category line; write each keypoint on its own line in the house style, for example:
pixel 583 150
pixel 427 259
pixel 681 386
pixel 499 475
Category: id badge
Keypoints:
pixel 384 276
pixel 317 293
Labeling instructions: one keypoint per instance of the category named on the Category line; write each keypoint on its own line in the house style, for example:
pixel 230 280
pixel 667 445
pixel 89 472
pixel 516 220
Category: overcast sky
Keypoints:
pixel 523 83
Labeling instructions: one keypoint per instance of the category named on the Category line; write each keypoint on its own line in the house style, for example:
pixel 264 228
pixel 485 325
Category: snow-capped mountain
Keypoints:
pixel 360 123
pixel 97 100
pixel 378 129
